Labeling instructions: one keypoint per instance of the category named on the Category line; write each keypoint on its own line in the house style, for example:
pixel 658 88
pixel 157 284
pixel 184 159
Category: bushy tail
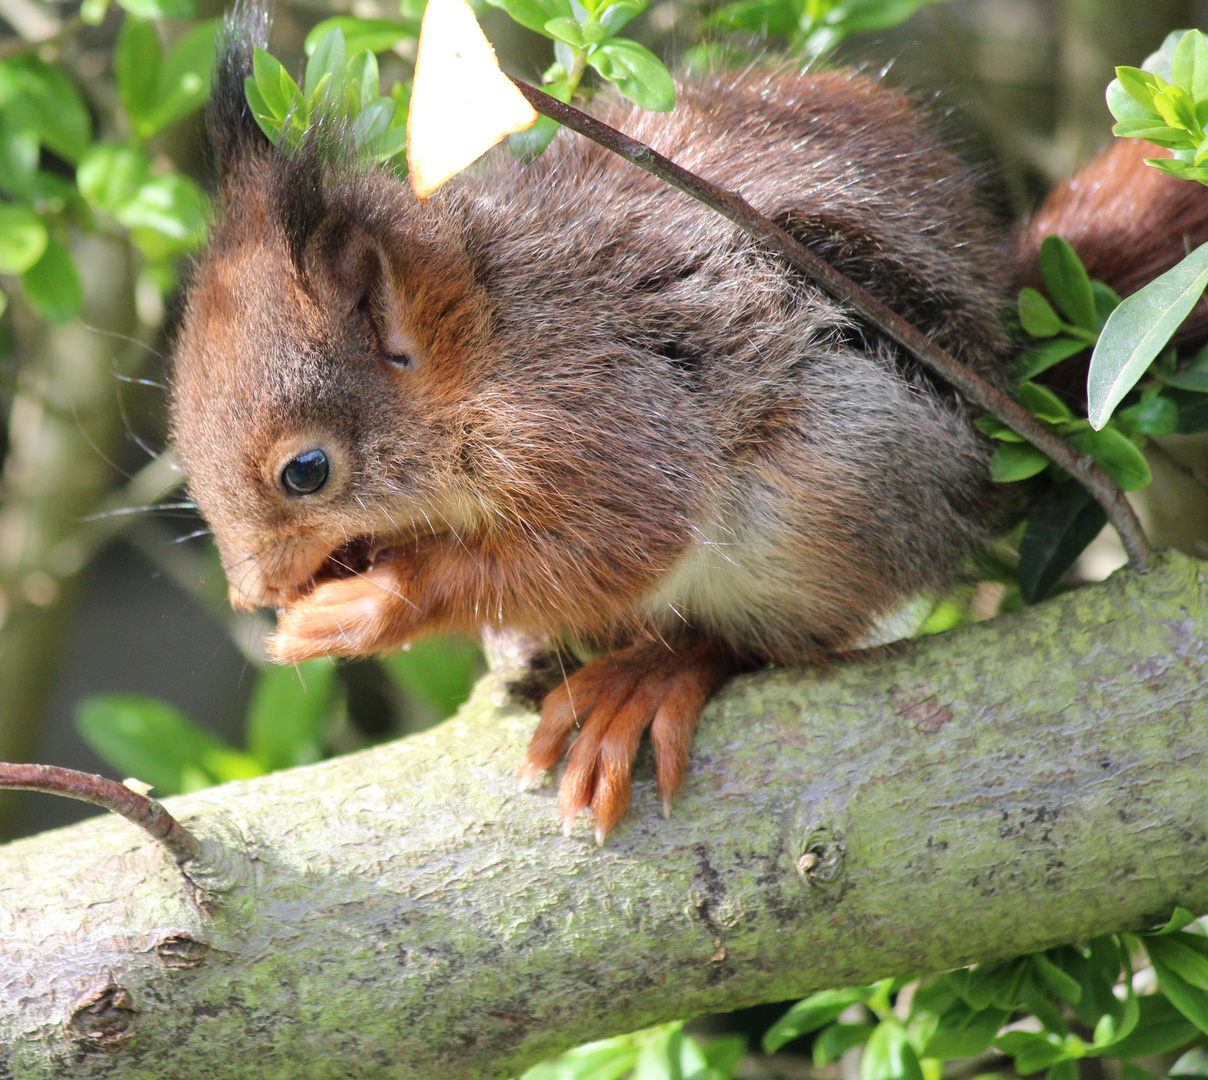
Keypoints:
pixel 1127 221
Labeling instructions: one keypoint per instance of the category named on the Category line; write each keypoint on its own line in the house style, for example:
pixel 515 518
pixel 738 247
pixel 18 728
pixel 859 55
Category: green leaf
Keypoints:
pixel 269 123
pixel 1036 999
pixel 148 739
pixel 184 78
pixel 1042 403
pixel 1036 314
pixel 1139 329
pixel 438 671
pixel 1063 521
pixel 534 14
pixel 1043 355
pixel 724 1053
pixel 888 1055
pixel 636 72
pixel 1016 461
pixel 1191 1001
pixel 1192 377
pixel 52 285
pixel 1106 301
pixel 325 67
pixel 808 1015
pixel 364 80
pixel 1152 416
pixel 389 144
pixel 278 91
pixel 1179 918
pixel 615 16
pixel 1180 170
pixel 287 714
pixel 530 145
pixel 568 30
pixel 1116 455
pixel 136 64
pixel 1179 952
pixel 1177 109
pixel 50 104
pixel 1067 282
pixel 1160 1028
pixel 1150 128
pixel 20 150
pixel 836 1039
pixel 159 9
pixel 374 35
pixel 1189 65
pixel 23 238
pixel 372 122
pixel 1063 1070
pixel 109 176
pixel 1031 1052
pixel 1059 982
pixel 1139 85
pixel 171 205
pixel 964 1032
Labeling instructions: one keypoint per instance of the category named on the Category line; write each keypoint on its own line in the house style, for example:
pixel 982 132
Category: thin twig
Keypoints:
pixel 146 813
pixel 731 205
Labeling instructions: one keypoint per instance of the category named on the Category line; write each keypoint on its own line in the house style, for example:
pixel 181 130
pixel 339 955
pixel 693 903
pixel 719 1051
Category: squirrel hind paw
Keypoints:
pixel 613 700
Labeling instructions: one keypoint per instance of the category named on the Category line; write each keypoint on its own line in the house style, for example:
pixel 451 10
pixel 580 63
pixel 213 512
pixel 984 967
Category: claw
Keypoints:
pixel 613 700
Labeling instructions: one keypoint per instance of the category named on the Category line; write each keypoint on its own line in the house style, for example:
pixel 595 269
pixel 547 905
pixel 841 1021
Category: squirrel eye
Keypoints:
pixel 305 474
pixel 400 360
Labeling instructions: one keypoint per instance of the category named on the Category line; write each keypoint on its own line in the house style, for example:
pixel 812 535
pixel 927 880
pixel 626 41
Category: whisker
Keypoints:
pixel 191 536
pixel 139 382
pixel 101 515
pixel 124 337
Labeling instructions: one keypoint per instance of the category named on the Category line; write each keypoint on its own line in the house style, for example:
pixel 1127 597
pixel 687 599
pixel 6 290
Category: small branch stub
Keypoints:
pixel 138 809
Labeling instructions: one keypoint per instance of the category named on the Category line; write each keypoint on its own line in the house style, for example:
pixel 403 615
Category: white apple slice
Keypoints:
pixel 461 103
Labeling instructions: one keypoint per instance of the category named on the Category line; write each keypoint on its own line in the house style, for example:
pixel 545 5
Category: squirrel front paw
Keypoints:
pixel 351 616
pixel 612 700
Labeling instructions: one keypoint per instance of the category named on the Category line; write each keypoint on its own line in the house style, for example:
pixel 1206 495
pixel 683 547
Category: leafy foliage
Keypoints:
pixel 292 714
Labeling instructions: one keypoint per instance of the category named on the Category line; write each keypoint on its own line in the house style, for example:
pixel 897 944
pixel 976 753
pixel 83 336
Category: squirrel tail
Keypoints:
pixel 1127 221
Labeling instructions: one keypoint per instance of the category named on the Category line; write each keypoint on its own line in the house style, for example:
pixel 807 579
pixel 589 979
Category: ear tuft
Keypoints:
pixel 233 130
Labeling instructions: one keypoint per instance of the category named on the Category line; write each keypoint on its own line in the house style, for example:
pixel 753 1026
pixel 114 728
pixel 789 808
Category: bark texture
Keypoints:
pixel 407 912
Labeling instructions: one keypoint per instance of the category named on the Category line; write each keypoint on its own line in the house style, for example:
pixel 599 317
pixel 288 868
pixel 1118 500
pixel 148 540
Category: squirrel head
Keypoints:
pixel 328 336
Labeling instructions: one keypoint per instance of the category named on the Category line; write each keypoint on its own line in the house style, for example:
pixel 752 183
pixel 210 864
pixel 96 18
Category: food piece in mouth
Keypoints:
pixel 357 556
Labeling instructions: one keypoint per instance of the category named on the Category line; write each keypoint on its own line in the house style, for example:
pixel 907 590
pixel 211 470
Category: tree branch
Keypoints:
pixel 1027 781
pixel 976 389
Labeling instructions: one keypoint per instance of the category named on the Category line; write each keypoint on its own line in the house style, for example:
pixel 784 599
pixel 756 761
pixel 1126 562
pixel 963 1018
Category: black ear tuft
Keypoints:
pixel 233 130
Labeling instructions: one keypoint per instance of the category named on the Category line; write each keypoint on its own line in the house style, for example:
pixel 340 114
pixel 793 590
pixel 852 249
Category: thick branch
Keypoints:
pixel 976 389
pixel 408 912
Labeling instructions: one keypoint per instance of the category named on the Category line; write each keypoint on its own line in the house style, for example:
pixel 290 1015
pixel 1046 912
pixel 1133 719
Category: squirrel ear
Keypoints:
pixel 350 273
pixel 344 264
pixel 234 133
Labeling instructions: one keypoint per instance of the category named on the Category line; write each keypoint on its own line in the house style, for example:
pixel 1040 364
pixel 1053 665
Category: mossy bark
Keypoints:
pixel 408 912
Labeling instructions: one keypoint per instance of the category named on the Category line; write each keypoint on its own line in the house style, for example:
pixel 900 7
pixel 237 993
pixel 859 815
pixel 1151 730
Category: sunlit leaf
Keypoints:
pixel 52 285
pixel 1138 330
pixel 23 238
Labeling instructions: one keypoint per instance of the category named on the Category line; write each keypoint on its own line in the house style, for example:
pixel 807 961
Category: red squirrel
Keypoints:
pixel 564 398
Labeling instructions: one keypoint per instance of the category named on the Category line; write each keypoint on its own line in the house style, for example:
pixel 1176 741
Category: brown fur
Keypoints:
pixel 565 398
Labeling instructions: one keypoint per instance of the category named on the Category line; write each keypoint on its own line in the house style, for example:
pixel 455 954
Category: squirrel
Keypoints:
pixel 563 398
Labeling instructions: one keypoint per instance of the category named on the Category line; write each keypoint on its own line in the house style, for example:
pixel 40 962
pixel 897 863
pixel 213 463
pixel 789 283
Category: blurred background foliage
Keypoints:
pixel 118 651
